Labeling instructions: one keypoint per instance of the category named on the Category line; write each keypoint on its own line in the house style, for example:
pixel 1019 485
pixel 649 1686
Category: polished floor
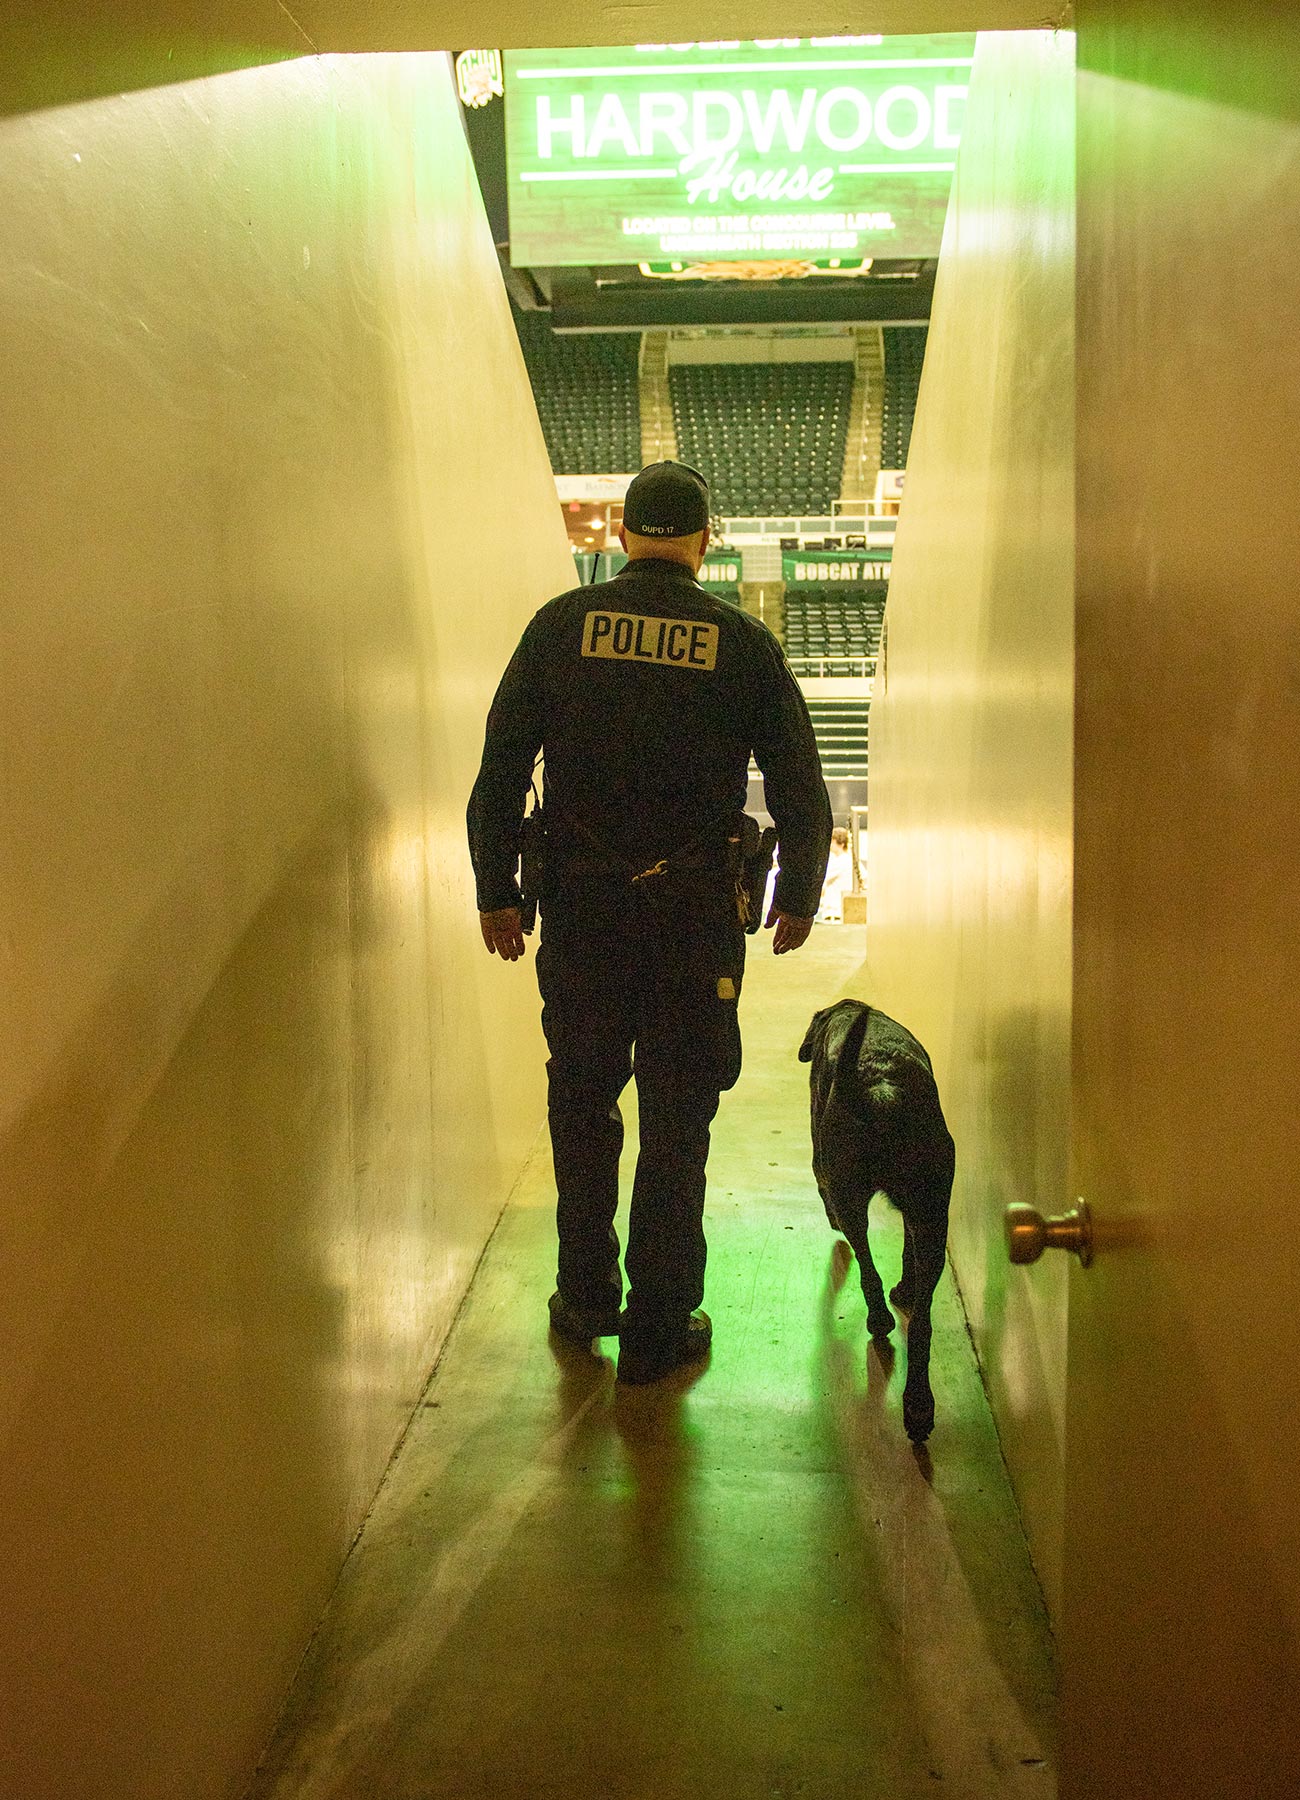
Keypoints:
pixel 741 1585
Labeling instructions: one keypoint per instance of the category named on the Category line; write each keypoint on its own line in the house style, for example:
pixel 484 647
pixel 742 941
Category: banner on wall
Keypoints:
pixel 720 572
pixel 723 570
pixel 598 489
pixel 806 570
pixel 777 147
pixel 479 77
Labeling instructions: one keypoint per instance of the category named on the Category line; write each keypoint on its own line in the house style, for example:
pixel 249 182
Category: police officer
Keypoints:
pixel 646 698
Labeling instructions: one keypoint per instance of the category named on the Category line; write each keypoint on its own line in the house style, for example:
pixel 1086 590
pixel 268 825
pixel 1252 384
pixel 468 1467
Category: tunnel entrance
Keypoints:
pixel 278 505
pixel 611 1590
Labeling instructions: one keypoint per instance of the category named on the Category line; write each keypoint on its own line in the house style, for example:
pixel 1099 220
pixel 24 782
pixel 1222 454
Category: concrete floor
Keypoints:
pixel 741 1585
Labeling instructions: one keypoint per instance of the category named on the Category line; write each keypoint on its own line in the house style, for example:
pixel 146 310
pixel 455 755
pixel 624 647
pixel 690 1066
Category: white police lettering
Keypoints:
pixel 630 637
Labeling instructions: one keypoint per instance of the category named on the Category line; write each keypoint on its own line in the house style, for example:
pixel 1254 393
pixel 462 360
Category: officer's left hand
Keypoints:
pixel 503 932
pixel 790 932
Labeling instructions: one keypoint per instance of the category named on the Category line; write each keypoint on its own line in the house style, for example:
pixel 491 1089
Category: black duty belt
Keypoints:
pixel 744 853
pixel 611 860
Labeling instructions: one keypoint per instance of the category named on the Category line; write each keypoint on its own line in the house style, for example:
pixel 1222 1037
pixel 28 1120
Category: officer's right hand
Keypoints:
pixel 503 932
pixel 790 932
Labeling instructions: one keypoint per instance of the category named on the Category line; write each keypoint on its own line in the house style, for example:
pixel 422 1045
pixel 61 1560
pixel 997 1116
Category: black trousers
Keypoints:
pixel 638 979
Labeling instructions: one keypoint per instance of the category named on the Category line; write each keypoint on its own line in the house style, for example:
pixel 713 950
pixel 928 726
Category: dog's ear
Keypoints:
pixel 806 1048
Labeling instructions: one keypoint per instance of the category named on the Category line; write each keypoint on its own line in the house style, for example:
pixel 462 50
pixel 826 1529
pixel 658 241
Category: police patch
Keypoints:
pixel 630 637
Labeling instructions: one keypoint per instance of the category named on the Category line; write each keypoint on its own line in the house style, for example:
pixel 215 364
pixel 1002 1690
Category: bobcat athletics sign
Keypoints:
pixel 805 569
pixel 721 570
pixel 805 147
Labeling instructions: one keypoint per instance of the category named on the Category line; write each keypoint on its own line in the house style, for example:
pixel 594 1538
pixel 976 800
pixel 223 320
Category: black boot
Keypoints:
pixel 652 1355
pixel 581 1324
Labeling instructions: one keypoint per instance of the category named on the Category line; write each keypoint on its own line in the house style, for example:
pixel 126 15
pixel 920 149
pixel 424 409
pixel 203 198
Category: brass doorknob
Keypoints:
pixel 1029 1233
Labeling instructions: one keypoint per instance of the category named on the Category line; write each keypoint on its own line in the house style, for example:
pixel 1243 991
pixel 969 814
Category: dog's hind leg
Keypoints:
pixel 832 1217
pixel 918 1398
pixel 880 1321
pixel 902 1293
pixel 926 1213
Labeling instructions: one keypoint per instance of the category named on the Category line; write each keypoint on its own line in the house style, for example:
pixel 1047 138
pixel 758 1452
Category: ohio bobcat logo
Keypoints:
pixel 479 76
pixel 630 637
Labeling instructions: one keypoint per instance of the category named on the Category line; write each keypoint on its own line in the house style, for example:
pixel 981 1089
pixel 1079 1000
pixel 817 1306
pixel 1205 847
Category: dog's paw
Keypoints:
pixel 901 1297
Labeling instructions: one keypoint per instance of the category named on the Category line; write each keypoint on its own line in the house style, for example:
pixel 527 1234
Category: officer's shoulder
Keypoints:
pixel 745 622
pixel 555 611
pixel 752 632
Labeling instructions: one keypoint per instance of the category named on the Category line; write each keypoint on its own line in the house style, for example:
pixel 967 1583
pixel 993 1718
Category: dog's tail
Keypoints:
pixel 877 1097
pixel 845 1085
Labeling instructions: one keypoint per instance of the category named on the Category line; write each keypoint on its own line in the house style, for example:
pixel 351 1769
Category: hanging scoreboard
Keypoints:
pixel 814 148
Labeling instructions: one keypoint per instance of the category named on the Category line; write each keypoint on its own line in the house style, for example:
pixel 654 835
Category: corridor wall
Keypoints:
pixel 971 727
pixel 262 1093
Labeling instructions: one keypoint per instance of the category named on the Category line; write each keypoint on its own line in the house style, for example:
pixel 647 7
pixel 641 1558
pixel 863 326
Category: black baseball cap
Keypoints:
pixel 667 500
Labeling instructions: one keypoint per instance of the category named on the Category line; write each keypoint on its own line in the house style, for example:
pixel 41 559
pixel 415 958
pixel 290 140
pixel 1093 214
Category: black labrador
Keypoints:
pixel 877 1126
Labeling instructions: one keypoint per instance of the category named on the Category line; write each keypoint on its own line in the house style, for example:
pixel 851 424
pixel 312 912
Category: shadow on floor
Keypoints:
pixel 740 1582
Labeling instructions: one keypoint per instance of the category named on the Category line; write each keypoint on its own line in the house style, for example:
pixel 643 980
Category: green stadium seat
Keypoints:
pixel 769 436
pixel 587 394
pixel 839 622
pixel 904 354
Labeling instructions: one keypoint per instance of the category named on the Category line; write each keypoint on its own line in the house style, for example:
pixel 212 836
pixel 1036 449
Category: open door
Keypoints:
pixel 1182 1554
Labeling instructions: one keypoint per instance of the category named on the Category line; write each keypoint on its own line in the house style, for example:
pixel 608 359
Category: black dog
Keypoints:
pixel 877 1126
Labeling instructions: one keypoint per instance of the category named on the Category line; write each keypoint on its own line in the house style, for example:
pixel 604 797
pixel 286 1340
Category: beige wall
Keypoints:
pixel 1181 1625
pixel 262 1094
pixel 969 923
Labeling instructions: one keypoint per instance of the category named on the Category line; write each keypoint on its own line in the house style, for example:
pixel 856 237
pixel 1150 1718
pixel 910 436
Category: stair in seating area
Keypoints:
pixel 658 434
pixel 862 445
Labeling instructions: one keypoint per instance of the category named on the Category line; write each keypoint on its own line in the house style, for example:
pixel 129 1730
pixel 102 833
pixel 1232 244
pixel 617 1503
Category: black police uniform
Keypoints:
pixel 646 696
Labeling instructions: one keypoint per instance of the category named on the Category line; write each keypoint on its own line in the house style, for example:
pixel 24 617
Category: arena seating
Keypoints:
pixel 904 353
pixel 769 436
pixel 585 386
pixel 840 727
pixel 834 623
